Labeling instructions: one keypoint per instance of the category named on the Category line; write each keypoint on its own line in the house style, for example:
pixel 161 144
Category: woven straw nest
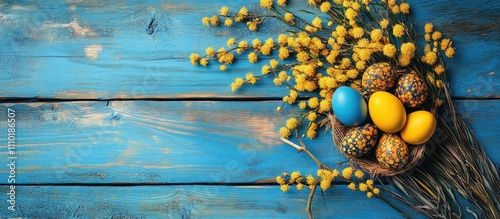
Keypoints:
pixel 368 162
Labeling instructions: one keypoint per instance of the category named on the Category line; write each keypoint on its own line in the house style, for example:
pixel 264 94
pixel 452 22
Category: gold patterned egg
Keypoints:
pixel 391 151
pixel 379 77
pixel 359 140
pixel 411 90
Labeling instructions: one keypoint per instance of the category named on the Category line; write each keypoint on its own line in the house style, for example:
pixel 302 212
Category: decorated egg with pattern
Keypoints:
pixel 391 151
pixel 379 77
pixel 411 90
pixel 359 140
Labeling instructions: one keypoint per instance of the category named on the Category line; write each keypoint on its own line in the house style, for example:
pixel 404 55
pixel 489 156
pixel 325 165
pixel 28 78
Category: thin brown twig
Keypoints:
pixel 309 202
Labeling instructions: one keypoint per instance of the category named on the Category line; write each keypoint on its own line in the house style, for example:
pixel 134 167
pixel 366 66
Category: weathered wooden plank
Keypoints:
pixel 191 202
pixel 89 49
pixel 176 141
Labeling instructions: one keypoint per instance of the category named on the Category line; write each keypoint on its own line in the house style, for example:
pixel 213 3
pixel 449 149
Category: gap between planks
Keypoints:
pixel 229 99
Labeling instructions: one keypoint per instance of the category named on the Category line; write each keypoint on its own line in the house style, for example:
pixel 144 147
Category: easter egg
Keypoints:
pixel 419 127
pixel 391 151
pixel 359 140
pixel 386 111
pixel 349 106
pixel 379 77
pixel 411 90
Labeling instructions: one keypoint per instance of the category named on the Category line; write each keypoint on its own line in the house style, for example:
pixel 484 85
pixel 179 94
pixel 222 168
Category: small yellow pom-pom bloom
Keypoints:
pixel 228 22
pixel 284 131
pixel 313 102
pixel 376 35
pixel 408 49
pixel 389 50
pixel 300 186
pixel 430 58
pixel 439 69
pixel 449 52
pixel 302 105
pixel 352 73
pixel 285 187
pixel 223 67
pixel 359 174
pixel 282 2
pixel 251 78
pixel 292 123
pixel 317 22
pixel 194 58
pixel 288 17
pixel 310 180
pixel 282 39
pixel 230 42
pixel 325 105
pixel 210 51
pixel 428 27
pixel 347 172
pixel 325 184
pixel 404 60
pixel 295 177
pixel 312 116
pixel 358 32
pixel 280 180
pixel 252 25
pixel 363 187
pixel 273 63
pixel 369 183
pixel 252 57
pixel 214 20
pixel 369 194
pixel 436 35
pixel 384 23
pixel 266 4
pixel 325 6
pixel 224 11
pixel 395 9
pixel 404 8
pixel 398 30
pixel 376 191
pixel 352 186
pixel 351 14
pixel 311 132
pixel 237 83
pixel 283 53
pixel 445 43
pixel 206 21
pixel 243 11
pixel 204 62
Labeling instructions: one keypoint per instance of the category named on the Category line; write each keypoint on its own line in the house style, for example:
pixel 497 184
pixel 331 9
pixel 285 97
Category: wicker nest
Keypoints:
pixel 368 162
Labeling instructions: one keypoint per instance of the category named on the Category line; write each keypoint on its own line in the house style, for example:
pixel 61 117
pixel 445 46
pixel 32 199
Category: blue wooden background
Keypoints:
pixel 114 122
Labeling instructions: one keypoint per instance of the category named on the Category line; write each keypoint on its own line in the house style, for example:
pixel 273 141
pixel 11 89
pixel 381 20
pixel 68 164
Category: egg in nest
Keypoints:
pixel 379 77
pixel 391 151
pixel 411 90
pixel 359 140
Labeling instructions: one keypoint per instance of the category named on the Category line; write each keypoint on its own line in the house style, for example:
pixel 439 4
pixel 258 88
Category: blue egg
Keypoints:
pixel 349 106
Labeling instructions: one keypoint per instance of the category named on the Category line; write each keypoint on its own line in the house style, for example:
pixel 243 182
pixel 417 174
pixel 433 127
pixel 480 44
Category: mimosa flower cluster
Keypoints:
pixel 328 47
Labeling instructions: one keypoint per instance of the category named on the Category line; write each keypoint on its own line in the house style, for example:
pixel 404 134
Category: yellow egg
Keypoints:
pixel 386 111
pixel 391 151
pixel 419 127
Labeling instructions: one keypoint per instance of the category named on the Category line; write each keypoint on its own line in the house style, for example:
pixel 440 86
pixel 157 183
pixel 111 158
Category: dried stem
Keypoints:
pixel 309 202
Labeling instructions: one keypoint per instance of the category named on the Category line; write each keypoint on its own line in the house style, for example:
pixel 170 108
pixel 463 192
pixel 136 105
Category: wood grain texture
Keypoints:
pixel 92 50
pixel 177 141
pixel 193 202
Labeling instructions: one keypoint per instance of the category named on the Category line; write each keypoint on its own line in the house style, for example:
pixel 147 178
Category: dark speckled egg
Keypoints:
pixel 411 90
pixel 360 140
pixel 379 77
pixel 391 151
